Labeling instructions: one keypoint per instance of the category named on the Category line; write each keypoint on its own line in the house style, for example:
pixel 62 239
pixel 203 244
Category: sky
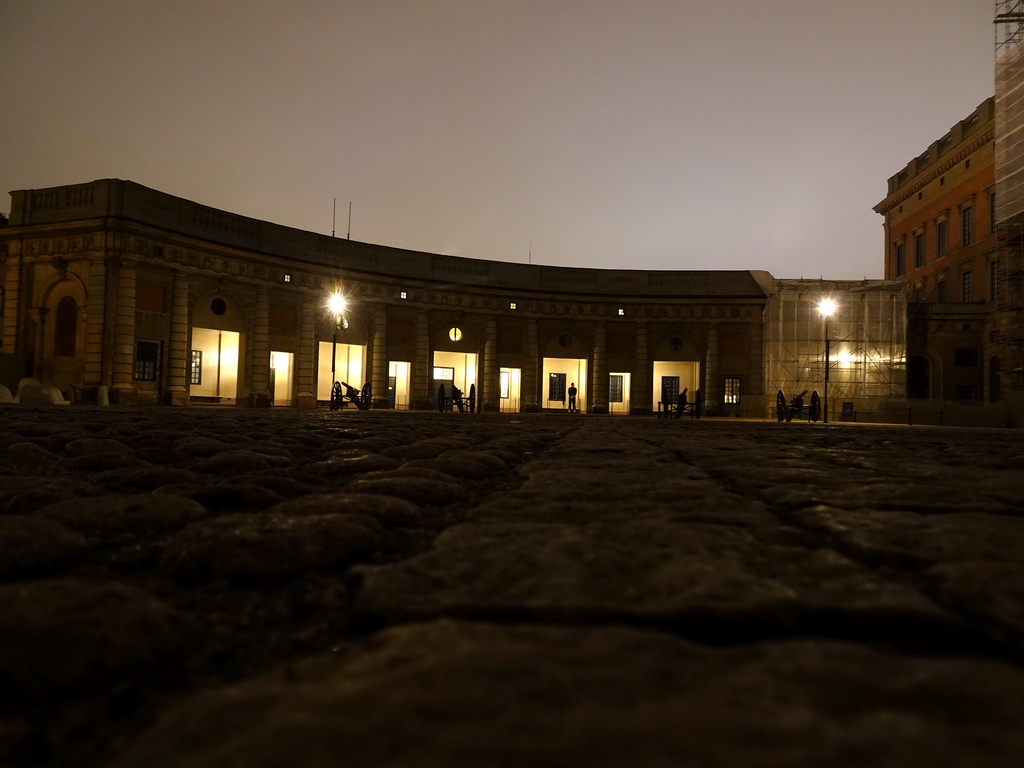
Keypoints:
pixel 620 134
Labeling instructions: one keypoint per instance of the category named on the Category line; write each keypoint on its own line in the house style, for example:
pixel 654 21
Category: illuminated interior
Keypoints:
pixel 462 368
pixel 281 366
pixel 509 389
pixel 219 365
pixel 398 383
pixel 348 362
pixel 559 373
pixel 618 392
pixel 674 376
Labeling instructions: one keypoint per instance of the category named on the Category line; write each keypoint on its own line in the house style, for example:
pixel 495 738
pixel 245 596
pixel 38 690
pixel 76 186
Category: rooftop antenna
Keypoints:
pixel 334 215
pixel 348 236
pixel 530 257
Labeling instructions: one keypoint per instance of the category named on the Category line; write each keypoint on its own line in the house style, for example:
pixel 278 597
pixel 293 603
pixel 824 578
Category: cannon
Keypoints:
pixel 796 409
pixel 342 393
pixel 456 400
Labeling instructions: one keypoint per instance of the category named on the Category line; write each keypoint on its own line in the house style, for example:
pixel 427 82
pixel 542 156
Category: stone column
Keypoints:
pixel 490 387
pixel 640 391
pixel 530 384
pixel 124 331
pixel 599 376
pixel 259 360
pixel 422 365
pixel 305 373
pixel 11 340
pixel 379 363
pixel 752 390
pixel 38 318
pixel 712 380
pixel 179 359
pixel 95 311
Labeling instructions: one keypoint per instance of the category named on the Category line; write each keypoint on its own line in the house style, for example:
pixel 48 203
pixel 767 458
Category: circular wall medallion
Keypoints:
pixel 218 306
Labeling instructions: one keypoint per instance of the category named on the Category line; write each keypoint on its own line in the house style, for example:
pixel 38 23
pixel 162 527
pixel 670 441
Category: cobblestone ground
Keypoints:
pixel 214 587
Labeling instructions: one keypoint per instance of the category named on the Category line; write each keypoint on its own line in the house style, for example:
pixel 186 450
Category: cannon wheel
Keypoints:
pixel 440 398
pixel 337 399
pixel 472 397
pixel 365 399
pixel 780 406
pixel 815 406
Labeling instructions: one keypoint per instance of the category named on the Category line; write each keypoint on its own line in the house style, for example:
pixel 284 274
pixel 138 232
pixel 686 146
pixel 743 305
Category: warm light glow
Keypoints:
pixel 827 307
pixel 336 304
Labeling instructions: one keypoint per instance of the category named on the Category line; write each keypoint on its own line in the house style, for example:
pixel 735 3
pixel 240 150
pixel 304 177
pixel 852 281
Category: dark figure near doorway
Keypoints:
pixel 572 398
pixel 457 399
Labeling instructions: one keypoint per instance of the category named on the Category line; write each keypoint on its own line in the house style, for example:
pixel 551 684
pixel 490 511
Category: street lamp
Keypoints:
pixel 826 308
pixel 336 305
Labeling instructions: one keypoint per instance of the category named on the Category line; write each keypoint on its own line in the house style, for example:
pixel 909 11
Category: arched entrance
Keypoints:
pixel 676 368
pixel 218 336
pixel 564 367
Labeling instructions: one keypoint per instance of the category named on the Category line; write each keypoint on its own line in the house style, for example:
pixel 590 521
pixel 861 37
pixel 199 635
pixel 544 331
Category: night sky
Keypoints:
pixel 649 134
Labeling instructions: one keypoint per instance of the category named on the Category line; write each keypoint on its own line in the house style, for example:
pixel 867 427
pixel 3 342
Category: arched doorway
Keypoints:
pixel 564 367
pixel 218 337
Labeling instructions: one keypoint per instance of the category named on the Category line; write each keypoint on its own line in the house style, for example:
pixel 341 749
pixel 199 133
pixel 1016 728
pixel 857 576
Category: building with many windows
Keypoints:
pixel 941 239
pixel 116 291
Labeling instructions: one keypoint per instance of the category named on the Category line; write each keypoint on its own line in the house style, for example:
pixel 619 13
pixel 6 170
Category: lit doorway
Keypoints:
pixel 398 384
pixel 214 365
pixel 348 365
pixel 560 373
pixel 618 392
pixel 509 389
pixel 671 378
pixel 453 369
pixel 281 377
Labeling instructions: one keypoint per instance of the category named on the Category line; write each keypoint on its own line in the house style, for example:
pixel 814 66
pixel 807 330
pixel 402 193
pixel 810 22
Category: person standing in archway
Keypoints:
pixel 572 398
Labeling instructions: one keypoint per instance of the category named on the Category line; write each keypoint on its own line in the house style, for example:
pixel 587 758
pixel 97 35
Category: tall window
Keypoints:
pixel 993 280
pixel 901 266
pixel 615 388
pixel 503 385
pixel 966 284
pixel 941 290
pixel 941 238
pixel 196 371
pixel 670 389
pixel 919 249
pixel 556 387
pixel 992 212
pixel 732 389
pixel 146 355
pixel 967 225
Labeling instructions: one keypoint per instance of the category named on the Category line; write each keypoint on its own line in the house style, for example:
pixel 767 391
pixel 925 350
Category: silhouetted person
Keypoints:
pixel 457 398
pixel 572 398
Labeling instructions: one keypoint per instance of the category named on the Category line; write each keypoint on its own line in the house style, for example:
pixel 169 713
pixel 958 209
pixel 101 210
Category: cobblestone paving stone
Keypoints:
pixel 220 587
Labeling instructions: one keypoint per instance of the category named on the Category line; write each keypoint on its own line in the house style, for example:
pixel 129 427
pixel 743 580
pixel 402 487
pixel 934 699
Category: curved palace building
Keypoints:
pixel 113 290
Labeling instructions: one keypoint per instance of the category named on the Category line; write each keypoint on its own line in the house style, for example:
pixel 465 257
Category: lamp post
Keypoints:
pixel 826 308
pixel 336 305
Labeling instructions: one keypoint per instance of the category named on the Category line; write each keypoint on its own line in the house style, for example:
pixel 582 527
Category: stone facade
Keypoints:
pixel 115 289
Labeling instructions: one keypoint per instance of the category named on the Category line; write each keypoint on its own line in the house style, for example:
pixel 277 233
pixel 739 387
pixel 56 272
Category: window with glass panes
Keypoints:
pixel 901 267
pixel 732 389
pixel 966 285
pixel 941 238
pixel 196 371
pixel 919 249
pixel 146 354
pixel 967 225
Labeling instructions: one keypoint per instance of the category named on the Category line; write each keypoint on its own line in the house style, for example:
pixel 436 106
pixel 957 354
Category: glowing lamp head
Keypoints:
pixel 827 307
pixel 336 304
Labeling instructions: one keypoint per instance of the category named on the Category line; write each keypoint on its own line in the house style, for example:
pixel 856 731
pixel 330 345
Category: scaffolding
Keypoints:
pixel 1007 334
pixel 867 345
